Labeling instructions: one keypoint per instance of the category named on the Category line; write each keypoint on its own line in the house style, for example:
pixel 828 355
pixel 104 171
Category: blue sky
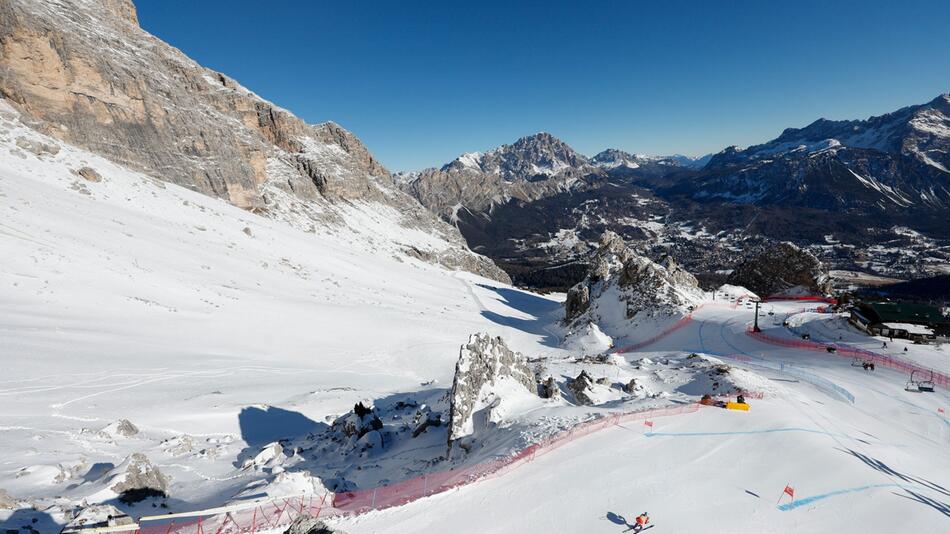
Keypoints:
pixel 422 82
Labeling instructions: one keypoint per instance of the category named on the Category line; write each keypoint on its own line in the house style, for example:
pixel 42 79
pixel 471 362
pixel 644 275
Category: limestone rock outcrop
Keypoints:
pixel 621 284
pixel 85 73
pixel 484 363
pixel 138 479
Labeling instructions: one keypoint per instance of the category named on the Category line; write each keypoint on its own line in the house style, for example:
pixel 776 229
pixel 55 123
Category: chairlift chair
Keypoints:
pixel 927 385
pixel 919 385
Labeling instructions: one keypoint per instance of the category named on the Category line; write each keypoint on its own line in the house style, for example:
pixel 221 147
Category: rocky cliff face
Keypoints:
pixel 485 366
pixel 82 71
pixel 781 267
pixel 621 285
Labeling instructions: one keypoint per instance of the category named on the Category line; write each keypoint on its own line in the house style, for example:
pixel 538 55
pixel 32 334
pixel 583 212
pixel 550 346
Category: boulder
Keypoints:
pixel 310 525
pixel 581 387
pixel 139 480
pixel 549 389
pixel 89 174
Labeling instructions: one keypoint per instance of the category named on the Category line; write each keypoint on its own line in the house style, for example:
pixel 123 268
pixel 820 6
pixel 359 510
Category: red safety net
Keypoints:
pixel 356 502
pixel 845 351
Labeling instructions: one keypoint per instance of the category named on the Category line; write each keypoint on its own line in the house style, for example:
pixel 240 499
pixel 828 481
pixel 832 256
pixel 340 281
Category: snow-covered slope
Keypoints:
pixel 213 330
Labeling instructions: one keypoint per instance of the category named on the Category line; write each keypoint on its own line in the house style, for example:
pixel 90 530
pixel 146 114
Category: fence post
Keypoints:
pixel 374 498
pixel 425 485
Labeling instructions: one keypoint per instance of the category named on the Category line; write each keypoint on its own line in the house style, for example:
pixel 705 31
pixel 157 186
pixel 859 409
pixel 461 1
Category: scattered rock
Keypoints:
pixel 549 389
pixel 581 387
pixel 141 480
pixel 247 230
pixel 97 516
pixel 89 174
pixel 122 427
pixel 632 387
pixel 424 418
pixel 37 148
pixel 271 455
pixel 310 525
pixel 7 502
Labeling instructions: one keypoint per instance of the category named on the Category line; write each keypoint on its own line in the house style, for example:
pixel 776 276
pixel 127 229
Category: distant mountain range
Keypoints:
pixel 852 191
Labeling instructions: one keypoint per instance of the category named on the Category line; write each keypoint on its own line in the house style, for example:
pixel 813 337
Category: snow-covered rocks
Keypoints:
pixel 285 484
pixel 582 387
pixel 271 456
pixel 310 525
pixel 97 516
pixel 621 284
pixel 136 479
pixel 122 428
pixel 486 372
pixel 588 339
pixel 549 389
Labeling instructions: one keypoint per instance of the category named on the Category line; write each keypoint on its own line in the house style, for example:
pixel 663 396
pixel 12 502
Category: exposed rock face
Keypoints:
pixel 310 525
pixel 84 72
pixel 621 284
pixel 483 362
pixel 578 300
pixel 89 174
pixel 122 427
pixel 780 267
pixel 581 387
pixel 7 502
pixel 141 480
pixel 550 389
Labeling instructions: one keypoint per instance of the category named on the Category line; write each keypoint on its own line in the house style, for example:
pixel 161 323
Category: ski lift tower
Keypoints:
pixel 755 325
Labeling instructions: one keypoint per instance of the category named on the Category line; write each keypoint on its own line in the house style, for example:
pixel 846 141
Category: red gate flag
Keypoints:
pixel 939 410
pixel 648 423
pixel 790 491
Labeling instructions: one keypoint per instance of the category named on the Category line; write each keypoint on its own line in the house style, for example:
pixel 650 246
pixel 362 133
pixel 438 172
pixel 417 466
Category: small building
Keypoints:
pixel 917 322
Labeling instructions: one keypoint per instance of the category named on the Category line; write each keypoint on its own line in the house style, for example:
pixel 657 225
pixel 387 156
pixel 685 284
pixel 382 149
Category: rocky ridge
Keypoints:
pixel 84 73
pixel 622 285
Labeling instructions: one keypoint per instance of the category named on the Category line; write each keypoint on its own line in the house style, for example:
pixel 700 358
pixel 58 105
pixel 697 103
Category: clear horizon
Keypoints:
pixel 421 86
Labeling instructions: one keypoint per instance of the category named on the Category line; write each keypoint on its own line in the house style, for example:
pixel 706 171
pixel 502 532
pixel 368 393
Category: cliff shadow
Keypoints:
pixel 540 309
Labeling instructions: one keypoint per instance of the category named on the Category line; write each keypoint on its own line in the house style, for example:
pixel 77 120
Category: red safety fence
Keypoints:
pixel 852 352
pixel 676 326
pixel 400 493
pixel 280 512
pixel 236 519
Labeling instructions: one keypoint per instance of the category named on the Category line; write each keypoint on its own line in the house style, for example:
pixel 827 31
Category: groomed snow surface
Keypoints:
pixel 217 332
